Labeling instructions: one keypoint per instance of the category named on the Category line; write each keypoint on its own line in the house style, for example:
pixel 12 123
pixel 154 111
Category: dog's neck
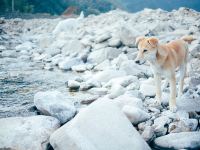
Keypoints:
pixel 161 56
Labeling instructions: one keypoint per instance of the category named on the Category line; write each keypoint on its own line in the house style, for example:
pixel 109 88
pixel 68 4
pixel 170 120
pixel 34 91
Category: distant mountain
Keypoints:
pixel 57 7
pixel 137 5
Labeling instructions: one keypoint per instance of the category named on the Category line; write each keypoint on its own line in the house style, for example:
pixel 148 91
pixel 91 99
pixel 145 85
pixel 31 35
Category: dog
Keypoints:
pixel 164 59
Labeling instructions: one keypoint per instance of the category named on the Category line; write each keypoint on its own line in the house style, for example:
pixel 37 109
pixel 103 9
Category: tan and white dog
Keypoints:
pixel 164 59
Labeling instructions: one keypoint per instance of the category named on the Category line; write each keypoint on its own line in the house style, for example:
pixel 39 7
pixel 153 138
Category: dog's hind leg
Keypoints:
pixel 181 80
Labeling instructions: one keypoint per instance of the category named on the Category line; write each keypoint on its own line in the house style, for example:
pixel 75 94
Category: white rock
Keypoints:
pixel 103 65
pixel 73 85
pixel 135 115
pixel 123 81
pixel 27 133
pixel 108 74
pixel 114 42
pixel 68 25
pixel 55 104
pixel 148 90
pixel 68 63
pixel 101 117
pixel 116 90
pixel 128 100
pixel 183 125
pixel 100 55
pixel 79 68
pixel 103 37
pixel 128 35
pixel 119 60
pixel 183 140
pixel 24 46
pixel 98 91
pixel 131 68
pixel 148 134
pixel 72 46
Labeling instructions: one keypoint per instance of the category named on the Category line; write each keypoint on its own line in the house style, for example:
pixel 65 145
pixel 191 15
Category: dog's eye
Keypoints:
pixel 145 50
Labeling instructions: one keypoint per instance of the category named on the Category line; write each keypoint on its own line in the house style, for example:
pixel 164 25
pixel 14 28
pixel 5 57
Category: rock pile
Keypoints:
pixel 101 51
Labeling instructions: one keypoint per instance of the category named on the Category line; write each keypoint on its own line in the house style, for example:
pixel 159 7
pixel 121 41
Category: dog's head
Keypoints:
pixel 147 49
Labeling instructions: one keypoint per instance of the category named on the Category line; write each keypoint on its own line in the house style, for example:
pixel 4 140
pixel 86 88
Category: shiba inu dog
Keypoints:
pixel 164 59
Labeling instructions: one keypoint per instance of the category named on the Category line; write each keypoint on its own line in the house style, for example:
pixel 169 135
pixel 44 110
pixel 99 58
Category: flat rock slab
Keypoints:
pixel 183 140
pixel 100 126
pixel 55 104
pixel 27 133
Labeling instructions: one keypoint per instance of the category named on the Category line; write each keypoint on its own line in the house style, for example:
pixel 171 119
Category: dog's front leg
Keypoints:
pixel 172 101
pixel 157 78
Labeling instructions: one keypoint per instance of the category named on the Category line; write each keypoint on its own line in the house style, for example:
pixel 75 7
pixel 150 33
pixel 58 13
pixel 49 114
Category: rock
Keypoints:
pixel 72 46
pixel 128 36
pixel 79 68
pixel 27 132
pixel 117 62
pixel 55 104
pixel 68 63
pixel 53 52
pixel 73 85
pixel 160 124
pixel 183 125
pixel 114 42
pixel 148 134
pixel 183 140
pixel 25 46
pixel 98 91
pixel 195 49
pixel 103 65
pixel 181 114
pixel 2 47
pixel 123 81
pixel 131 68
pixel 98 118
pixel 148 90
pixel 128 100
pixel 135 115
pixel 116 91
pixel 102 38
pixel 106 75
pixel 100 55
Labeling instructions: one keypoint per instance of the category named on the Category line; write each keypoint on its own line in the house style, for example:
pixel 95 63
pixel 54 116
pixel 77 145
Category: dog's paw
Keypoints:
pixel 173 108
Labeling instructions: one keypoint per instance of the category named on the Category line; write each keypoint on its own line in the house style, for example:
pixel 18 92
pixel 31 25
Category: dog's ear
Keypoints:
pixel 153 41
pixel 138 40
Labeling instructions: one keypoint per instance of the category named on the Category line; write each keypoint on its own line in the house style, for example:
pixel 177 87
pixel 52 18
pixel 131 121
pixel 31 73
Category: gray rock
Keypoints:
pixel 183 140
pixel 27 132
pixel 116 90
pixel 55 104
pixel 98 118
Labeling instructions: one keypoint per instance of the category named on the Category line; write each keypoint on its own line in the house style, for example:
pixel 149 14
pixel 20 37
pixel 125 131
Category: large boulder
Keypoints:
pixel 55 104
pixel 100 126
pixel 183 140
pixel 27 133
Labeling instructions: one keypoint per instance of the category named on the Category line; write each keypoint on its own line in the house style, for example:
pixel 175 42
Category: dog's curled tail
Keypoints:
pixel 188 38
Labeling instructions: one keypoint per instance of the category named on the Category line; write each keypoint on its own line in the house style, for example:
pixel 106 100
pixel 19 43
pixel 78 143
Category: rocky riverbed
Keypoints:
pixel 80 74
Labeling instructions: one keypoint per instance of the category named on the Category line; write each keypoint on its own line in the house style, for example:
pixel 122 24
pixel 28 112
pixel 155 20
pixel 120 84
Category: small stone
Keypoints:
pixel 148 134
pixel 73 85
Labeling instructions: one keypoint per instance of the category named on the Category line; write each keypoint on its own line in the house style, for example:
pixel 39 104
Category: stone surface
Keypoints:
pixel 99 117
pixel 27 132
pixel 55 104
pixel 184 140
pixel 135 115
